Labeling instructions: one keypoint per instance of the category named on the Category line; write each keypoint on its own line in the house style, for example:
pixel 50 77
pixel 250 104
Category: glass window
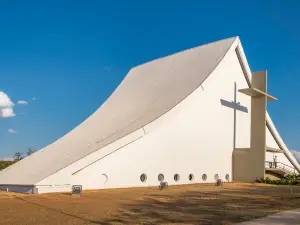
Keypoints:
pixel 176 177
pixel 191 177
pixel 161 177
pixel 143 177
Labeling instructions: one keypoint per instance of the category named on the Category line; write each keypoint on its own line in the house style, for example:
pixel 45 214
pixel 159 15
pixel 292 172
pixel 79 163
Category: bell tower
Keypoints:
pixel 249 163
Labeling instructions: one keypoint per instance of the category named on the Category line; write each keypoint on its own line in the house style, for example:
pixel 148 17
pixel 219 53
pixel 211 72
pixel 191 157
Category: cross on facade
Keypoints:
pixel 235 106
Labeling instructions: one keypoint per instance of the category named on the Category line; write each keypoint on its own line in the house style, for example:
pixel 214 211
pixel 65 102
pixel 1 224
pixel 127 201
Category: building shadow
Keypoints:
pixel 45 207
pixel 197 207
pixel 236 106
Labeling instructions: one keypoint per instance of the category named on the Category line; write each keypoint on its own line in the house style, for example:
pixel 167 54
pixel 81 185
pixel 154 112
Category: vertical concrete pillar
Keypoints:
pixel 249 163
pixel 257 152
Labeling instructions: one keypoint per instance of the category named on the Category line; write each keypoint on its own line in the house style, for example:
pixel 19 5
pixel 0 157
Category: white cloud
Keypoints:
pixel 296 155
pixel 34 98
pixel 6 106
pixel 12 131
pixel 5 101
pixel 7 112
pixel 22 102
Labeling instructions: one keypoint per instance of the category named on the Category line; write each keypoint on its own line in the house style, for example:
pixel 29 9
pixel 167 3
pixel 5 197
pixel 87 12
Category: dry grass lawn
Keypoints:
pixel 186 204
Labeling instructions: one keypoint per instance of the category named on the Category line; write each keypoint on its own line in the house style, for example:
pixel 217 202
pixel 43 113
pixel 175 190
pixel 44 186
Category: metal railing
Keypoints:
pixel 280 165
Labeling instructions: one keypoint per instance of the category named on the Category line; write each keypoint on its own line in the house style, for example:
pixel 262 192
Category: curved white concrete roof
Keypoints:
pixel 147 92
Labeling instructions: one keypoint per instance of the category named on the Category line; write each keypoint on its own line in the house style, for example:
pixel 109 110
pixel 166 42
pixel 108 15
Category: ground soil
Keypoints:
pixel 184 204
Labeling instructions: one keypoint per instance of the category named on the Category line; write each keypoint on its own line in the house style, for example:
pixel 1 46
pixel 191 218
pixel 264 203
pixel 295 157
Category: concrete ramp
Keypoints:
pixel 280 169
pixel 291 217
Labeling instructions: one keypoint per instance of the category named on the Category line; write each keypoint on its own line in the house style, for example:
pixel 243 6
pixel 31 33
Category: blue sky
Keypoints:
pixel 71 55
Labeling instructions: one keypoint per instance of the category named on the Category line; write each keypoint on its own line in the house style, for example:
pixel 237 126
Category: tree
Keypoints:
pixel 4 164
pixel 18 156
pixel 30 151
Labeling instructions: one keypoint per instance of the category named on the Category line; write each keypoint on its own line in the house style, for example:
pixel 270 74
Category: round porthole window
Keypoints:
pixel 176 177
pixel 227 177
pixel 161 177
pixel 191 177
pixel 143 177
pixel 204 177
pixel 216 176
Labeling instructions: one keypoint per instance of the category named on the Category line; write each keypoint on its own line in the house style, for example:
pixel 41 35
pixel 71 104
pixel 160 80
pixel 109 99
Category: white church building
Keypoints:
pixel 190 117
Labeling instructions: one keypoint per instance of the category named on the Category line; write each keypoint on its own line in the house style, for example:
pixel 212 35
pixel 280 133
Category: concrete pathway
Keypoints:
pixel 291 217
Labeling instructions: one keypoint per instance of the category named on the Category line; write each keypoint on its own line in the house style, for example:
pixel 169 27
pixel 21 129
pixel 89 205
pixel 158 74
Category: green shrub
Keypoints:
pixel 293 179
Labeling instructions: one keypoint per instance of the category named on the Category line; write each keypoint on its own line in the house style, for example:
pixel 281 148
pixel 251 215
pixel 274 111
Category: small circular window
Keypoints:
pixel 143 177
pixel 176 177
pixel 216 176
pixel 191 177
pixel 204 177
pixel 227 177
pixel 161 177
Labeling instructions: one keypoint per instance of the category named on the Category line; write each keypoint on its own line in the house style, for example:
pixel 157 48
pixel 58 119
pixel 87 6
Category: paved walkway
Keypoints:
pixel 291 217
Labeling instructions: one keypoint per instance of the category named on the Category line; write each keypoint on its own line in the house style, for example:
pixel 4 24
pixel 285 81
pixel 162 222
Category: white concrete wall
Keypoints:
pixel 195 137
pixel 63 176
pixel 53 188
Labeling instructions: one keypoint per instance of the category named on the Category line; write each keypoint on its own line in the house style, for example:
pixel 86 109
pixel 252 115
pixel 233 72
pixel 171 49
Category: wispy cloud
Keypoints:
pixel 7 159
pixel 6 106
pixel 34 98
pixel 12 131
pixel 22 102
pixel 296 154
